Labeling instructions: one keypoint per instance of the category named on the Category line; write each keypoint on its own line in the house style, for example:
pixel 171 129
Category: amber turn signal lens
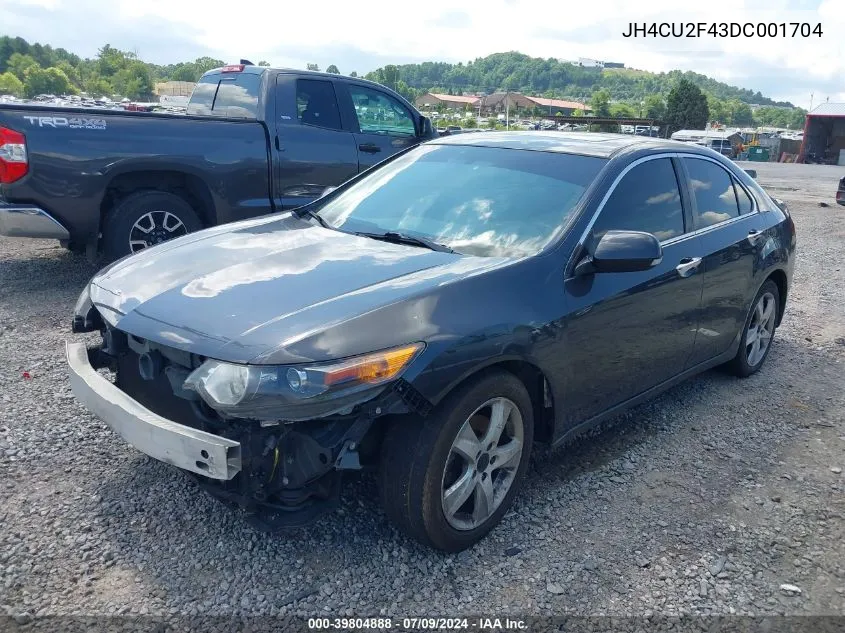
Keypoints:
pixel 374 368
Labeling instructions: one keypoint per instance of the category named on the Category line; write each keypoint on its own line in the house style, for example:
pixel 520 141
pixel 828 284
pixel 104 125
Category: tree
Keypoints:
pixel 332 69
pixel 353 74
pixel 10 85
pixel 686 107
pixel 622 111
pixel 717 109
pixel 19 64
pixel 741 113
pixel 654 107
pixel 134 81
pixel 263 63
pixel 600 103
pixel 313 67
pixel 390 75
pixel 46 81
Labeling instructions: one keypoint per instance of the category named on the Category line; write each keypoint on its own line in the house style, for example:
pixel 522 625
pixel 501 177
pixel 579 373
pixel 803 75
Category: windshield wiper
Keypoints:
pixel 314 215
pixel 404 238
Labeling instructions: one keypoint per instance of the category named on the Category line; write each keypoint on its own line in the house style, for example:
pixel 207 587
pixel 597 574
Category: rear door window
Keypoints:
pixel 713 192
pixel 223 95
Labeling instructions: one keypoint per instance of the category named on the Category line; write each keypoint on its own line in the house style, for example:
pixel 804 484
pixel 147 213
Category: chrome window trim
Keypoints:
pixel 686 235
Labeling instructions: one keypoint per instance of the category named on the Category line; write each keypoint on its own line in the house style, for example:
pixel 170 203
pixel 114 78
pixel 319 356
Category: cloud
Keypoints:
pixel 363 37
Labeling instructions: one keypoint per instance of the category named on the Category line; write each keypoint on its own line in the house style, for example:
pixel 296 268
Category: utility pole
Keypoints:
pixel 811 101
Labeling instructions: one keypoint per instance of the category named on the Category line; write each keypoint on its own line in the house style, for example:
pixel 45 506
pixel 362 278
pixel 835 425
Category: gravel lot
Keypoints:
pixel 705 501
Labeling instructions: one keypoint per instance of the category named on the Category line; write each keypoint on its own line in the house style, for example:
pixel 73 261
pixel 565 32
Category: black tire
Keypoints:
pixel 414 459
pixel 740 365
pixel 119 223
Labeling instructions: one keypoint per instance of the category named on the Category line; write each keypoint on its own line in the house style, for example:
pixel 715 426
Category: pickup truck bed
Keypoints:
pixel 113 182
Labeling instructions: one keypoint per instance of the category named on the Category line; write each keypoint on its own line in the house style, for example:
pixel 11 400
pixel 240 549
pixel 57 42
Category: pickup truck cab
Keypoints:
pixel 254 140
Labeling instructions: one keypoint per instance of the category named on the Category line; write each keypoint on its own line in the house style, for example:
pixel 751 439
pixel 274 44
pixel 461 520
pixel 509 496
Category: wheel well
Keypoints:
pixel 779 277
pixel 540 393
pixel 187 186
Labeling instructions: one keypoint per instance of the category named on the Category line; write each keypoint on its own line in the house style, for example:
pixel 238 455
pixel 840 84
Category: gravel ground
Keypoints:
pixel 723 496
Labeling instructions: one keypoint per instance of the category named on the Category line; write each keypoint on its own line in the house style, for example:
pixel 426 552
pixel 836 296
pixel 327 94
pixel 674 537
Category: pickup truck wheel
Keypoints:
pixel 144 219
pixel 446 480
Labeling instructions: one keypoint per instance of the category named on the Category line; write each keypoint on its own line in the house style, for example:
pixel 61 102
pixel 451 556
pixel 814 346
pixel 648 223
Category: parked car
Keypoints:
pixel 432 319
pixel 840 193
pixel 255 140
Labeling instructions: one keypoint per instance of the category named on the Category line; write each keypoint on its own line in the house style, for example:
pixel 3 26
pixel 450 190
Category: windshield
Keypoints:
pixel 476 200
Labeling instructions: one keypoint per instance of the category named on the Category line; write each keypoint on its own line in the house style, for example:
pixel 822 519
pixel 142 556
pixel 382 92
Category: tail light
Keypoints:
pixel 232 68
pixel 840 195
pixel 13 160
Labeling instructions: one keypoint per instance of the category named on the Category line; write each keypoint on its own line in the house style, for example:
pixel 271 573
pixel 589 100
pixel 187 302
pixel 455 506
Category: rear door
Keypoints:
pixel 313 147
pixel 732 233
pixel 382 125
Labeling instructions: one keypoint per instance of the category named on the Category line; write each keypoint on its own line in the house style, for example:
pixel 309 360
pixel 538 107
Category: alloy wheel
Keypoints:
pixel 761 329
pixel 482 464
pixel 154 228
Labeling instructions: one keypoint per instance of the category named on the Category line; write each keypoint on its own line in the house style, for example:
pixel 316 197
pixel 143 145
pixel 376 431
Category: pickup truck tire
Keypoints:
pixel 447 479
pixel 144 219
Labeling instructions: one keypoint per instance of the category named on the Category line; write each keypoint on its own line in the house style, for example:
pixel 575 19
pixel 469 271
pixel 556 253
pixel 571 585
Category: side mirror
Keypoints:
pixel 622 252
pixel 426 131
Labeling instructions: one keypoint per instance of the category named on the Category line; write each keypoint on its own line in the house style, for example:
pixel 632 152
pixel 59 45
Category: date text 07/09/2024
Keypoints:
pixel 417 624
pixel 723 29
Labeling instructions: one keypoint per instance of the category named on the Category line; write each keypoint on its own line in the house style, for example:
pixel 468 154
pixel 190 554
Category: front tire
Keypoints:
pixel 144 219
pixel 759 331
pixel 448 479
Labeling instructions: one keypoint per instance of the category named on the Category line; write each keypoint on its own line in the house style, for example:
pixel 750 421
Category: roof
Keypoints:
pixel 829 109
pixel 557 103
pixel 587 143
pixel 705 133
pixel 455 98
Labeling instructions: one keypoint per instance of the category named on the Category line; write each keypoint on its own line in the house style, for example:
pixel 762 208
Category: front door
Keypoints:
pixel 384 125
pixel 628 332
pixel 312 149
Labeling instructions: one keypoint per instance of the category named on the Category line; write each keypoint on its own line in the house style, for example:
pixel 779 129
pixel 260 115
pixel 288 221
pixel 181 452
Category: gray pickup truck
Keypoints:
pixel 254 140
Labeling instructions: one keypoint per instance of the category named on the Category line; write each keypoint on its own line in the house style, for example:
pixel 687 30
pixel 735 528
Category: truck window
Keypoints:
pixel 316 104
pixel 379 113
pixel 221 95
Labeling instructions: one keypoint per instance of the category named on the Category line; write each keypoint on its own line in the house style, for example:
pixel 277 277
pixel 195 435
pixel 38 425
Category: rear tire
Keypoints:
pixel 438 493
pixel 758 333
pixel 144 219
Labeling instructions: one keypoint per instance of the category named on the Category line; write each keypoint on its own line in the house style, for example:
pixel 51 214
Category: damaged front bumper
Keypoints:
pixel 190 449
pixel 283 475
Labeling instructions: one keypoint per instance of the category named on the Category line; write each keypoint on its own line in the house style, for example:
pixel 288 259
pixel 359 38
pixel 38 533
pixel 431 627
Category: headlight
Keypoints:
pixel 298 392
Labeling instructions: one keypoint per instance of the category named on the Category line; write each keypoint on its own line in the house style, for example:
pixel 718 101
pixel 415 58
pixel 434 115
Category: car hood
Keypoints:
pixel 254 291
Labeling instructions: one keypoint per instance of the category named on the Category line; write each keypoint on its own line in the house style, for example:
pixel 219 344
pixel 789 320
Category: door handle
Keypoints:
pixel 754 236
pixel 370 148
pixel 688 266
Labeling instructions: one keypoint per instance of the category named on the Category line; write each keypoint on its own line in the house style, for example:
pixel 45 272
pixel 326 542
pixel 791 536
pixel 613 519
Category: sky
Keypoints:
pixel 362 36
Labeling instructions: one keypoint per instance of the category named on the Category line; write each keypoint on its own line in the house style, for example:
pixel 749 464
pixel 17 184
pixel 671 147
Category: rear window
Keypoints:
pixel 222 95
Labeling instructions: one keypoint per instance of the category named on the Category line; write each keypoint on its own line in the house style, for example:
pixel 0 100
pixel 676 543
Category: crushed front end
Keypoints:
pixel 283 473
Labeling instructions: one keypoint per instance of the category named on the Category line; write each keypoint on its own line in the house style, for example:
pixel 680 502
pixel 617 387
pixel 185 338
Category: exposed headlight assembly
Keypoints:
pixel 298 392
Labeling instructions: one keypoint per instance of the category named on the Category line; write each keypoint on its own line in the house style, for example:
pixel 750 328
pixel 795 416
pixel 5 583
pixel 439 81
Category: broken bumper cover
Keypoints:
pixel 182 446
pixel 24 220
